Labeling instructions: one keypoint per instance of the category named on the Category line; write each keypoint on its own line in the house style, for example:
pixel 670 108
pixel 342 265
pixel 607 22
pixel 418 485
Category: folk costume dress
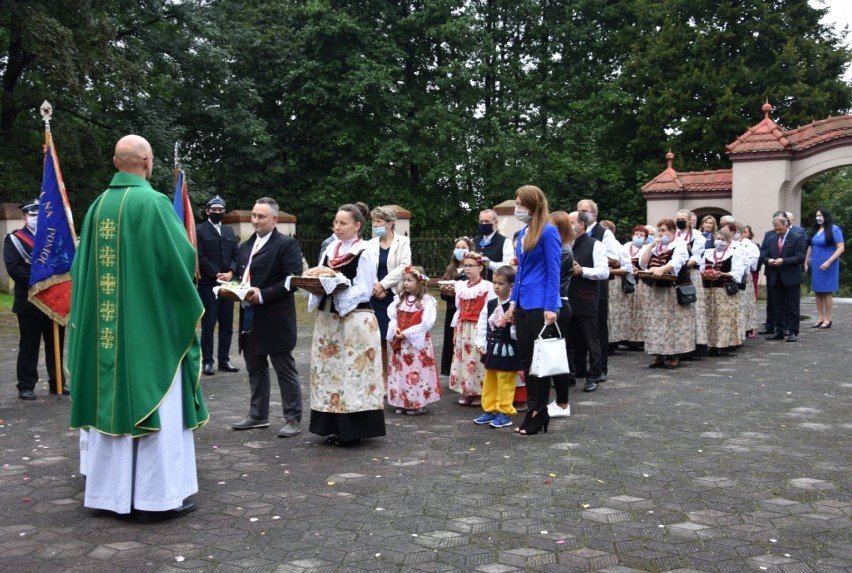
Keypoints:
pixel 619 302
pixel 637 303
pixel 750 254
pixel 502 359
pixel 670 327
pixel 825 281
pixel 695 244
pixel 723 309
pixel 346 364
pixel 467 371
pixel 413 379
pixel 134 352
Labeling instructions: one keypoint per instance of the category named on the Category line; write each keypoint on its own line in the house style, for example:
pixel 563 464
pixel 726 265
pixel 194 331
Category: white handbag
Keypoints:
pixel 550 357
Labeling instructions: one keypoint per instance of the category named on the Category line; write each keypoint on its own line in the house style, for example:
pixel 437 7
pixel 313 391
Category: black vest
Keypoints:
pixel 584 294
pixel 502 352
pixel 493 250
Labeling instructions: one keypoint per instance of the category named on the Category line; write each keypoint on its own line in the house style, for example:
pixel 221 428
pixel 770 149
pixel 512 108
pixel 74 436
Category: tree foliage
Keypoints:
pixel 444 107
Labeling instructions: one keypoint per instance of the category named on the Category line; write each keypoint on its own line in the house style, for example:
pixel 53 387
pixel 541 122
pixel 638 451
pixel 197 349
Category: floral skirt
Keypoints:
pixel 723 318
pixel 670 328
pixel 346 364
pixel 700 311
pixel 619 311
pixel 413 379
pixel 637 306
pixel 747 307
pixel 466 371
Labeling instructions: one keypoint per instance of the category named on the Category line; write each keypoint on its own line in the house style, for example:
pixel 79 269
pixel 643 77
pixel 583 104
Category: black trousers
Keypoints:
pixel 528 324
pixel 786 307
pixel 447 347
pixel 33 329
pixel 219 310
pixel 560 383
pixel 259 380
pixel 584 346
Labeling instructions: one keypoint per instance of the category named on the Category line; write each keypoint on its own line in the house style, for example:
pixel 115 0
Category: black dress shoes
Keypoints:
pixel 776 336
pixel 208 369
pixel 157 516
pixel 27 395
pixel 227 367
pixel 792 338
pixel 765 331
pixel 65 390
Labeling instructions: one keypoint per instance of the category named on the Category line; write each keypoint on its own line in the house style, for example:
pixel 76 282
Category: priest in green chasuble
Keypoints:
pixel 134 352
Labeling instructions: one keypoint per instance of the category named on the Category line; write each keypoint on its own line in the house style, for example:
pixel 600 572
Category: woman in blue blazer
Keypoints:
pixel 535 297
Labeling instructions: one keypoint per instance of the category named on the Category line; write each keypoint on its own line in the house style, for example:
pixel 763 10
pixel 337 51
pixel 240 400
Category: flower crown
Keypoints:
pixel 417 274
pixel 481 259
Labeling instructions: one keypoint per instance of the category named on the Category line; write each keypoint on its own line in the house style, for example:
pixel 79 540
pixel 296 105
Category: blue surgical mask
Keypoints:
pixel 380 231
pixel 649 240
pixel 720 244
pixel 458 254
pixel 665 240
pixel 638 241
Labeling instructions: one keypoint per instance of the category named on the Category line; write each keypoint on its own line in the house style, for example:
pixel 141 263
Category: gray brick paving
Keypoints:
pixel 730 464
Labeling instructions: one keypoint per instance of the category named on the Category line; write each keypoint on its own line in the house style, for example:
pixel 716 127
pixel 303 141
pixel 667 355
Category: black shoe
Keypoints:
pixel 157 516
pixel 227 367
pixel 27 395
pixel 526 421
pixel 792 338
pixel 248 423
pixel 590 386
pixel 765 331
pixel 572 381
pixel 536 424
pixel 601 378
pixel 65 390
pixel 776 336
pixel 208 369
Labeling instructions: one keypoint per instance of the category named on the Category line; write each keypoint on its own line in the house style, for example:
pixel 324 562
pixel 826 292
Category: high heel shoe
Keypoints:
pixel 537 423
pixel 825 325
pixel 817 324
pixel 526 421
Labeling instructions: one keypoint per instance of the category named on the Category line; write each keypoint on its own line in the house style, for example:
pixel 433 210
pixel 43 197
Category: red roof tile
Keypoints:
pixel 692 182
pixel 763 137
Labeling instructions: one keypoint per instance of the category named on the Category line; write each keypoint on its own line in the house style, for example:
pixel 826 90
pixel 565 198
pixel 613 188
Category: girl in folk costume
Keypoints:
pixel 638 301
pixel 724 267
pixel 695 244
pixel 670 327
pixel 346 367
pixel 413 379
pixel 750 254
pixel 466 371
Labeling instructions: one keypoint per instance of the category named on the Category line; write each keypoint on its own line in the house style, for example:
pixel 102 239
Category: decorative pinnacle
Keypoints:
pixel 46 112
pixel 766 107
pixel 669 158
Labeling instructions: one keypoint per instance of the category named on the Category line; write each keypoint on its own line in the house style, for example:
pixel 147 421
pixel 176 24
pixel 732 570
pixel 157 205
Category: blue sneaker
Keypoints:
pixel 485 418
pixel 501 421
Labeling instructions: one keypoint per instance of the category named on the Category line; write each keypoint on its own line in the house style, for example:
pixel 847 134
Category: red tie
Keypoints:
pixel 780 243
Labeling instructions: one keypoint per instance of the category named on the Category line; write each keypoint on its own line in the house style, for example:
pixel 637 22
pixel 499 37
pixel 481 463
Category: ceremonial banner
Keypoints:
pixel 55 243
pixel 183 208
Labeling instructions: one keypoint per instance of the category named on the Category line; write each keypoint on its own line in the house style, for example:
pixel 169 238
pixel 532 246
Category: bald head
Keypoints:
pixel 133 154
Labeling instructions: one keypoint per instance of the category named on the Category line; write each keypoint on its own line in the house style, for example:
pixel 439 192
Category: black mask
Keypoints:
pixel 486 229
pixel 681 225
pixel 216 218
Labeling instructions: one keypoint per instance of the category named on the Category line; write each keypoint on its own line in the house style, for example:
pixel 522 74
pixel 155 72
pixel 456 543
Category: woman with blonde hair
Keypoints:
pixel 535 300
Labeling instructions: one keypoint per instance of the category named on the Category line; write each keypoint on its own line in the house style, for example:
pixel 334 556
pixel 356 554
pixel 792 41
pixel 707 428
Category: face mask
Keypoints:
pixel 638 241
pixel 486 229
pixel 32 222
pixel 522 215
pixel 665 240
pixel 458 254
pixel 738 237
pixel 820 220
pixel 720 244
pixel 649 240
pixel 380 231
pixel 216 218
pixel 680 225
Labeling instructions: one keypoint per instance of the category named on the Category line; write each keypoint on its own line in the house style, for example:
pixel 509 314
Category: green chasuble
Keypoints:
pixel 134 310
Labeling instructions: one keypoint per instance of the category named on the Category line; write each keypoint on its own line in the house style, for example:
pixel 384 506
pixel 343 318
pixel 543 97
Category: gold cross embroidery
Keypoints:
pixel 107 229
pixel 107 256
pixel 107 310
pixel 107 338
pixel 107 283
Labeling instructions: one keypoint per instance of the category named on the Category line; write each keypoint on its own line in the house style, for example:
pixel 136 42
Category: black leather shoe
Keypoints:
pixel 792 338
pixel 227 367
pixel 65 390
pixel 765 331
pixel 208 369
pixel 157 516
pixel 27 395
pixel 590 386
pixel 776 336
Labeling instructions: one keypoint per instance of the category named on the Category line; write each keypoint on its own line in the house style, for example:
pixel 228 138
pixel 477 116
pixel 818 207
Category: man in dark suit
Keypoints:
pixel 217 260
pixel 770 235
pixel 783 256
pixel 33 324
pixel 492 244
pixel 268 319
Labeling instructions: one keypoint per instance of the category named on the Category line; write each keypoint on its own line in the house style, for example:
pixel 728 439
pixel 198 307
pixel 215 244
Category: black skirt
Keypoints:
pixel 347 427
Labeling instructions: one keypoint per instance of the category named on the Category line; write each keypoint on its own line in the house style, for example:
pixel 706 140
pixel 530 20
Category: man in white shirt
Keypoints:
pixel 492 244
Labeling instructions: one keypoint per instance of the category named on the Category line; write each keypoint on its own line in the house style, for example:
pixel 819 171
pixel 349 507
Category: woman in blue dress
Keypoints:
pixel 825 245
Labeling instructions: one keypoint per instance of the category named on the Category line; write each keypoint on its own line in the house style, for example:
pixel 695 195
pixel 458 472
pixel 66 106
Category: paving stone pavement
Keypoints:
pixel 730 464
